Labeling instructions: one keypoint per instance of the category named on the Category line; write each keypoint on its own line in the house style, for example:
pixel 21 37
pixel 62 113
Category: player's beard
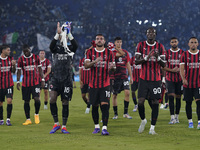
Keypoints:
pixel 174 47
pixel 193 49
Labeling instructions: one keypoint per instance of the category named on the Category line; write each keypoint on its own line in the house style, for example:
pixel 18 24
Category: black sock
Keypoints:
pixel 135 100
pixel 115 110
pixel 198 109
pixel 27 110
pixel 141 111
pixel 166 98
pixel 88 104
pixel 54 111
pixel 171 105
pixel 154 114
pixel 105 112
pixel 178 105
pixel 95 114
pixel 65 113
pixel 1 112
pixel 150 103
pixel 45 103
pixel 126 107
pixel 9 110
pixel 37 107
pixel 188 108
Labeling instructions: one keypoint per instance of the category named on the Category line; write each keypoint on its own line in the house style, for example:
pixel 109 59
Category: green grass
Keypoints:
pixel 123 132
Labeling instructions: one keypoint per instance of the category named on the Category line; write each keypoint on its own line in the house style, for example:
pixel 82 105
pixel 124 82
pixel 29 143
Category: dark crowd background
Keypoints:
pixel 126 18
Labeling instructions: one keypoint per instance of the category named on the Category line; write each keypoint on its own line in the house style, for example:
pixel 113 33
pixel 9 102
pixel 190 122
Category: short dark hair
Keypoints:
pixel 117 38
pixel 99 34
pixel 25 47
pixel 151 28
pixel 193 37
pixel 4 46
pixel 174 38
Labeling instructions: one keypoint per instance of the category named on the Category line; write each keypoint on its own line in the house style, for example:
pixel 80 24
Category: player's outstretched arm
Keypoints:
pixel 18 78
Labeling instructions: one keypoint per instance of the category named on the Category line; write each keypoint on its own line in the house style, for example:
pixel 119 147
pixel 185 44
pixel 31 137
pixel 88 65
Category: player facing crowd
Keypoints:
pixel 61 80
pixel 173 79
pixel 120 77
pixel 190 74
pixel 46 68
pixel 150 55
pixel 100 60
pixel 7 67
pixel 30 64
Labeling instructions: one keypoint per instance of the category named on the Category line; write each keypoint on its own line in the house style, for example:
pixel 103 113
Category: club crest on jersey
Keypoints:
pixel 120 59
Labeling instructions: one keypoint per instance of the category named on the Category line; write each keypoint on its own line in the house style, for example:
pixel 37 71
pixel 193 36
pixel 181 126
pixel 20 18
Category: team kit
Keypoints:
pixel 105 71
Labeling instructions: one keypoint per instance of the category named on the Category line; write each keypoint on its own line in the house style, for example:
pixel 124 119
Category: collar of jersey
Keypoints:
pixel 3 58
pixel 174 51
pixel 99 51
pixel 193 53
pixel 43 60
pixel 151 44
pixel 28 56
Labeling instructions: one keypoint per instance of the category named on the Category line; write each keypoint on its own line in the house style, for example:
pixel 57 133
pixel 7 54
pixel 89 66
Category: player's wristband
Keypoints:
pixel 17 81
pixel 163 80
pixel 56 37
pixel 145 58
pixel 43 79
pixel 158 59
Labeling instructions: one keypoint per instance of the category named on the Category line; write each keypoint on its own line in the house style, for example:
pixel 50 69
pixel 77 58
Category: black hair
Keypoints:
pixel 4 46
pixel 117 38
pixel 174 38
pixel 25 47
pixel 193 37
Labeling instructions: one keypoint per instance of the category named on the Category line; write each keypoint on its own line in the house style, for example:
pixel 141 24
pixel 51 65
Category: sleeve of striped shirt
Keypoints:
pixel 182 59
pixel 138 49
pixel 88 55
pixel 19 63
pixel 38 62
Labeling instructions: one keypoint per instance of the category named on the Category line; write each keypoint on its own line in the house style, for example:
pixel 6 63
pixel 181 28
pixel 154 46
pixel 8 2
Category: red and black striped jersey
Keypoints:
pixel 121 69
pixel 173 60
pixel 100 71
pixel 192 68
pixel 45 65
pixel 85 73
pixel 135 69
pixel 150 70
pixel 29 66
pixel 6 79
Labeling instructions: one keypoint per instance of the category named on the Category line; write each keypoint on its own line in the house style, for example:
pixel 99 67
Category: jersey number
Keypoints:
pixel 157 90
pixel 107 93
pixel 9 91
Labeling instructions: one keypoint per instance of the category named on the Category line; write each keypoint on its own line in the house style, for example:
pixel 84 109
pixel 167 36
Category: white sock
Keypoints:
pixel 97 126
pixel 104 127
pixel 190 120
pixel 63 126
pixel 57 123
pixel 144 119
pixel 36 114
pixel 28 119
pixel 8 119
pixel 176 116
pixel 152 127
pixel 172 117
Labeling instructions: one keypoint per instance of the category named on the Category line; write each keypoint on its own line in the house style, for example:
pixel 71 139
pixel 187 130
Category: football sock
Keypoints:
pixel 166 98
pixel 95 114
pixel 37 107
pixel 45 103
pixel 154 114
pixel 88 104
pixel 54 111
pixel 9 110
pixel 27 110
pixel 105 112
pixel 115 110
pixel 188 108
pixel 126 107
pixel 65 114
pixel 171 105
pixel 141 111
pixel 178 105
pixel 198 109
pixel 135 100
pixel 150 103
pixel 1 112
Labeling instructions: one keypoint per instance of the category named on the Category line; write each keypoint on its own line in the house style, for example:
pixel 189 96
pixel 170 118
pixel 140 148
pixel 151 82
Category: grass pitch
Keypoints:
pixel 123 132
